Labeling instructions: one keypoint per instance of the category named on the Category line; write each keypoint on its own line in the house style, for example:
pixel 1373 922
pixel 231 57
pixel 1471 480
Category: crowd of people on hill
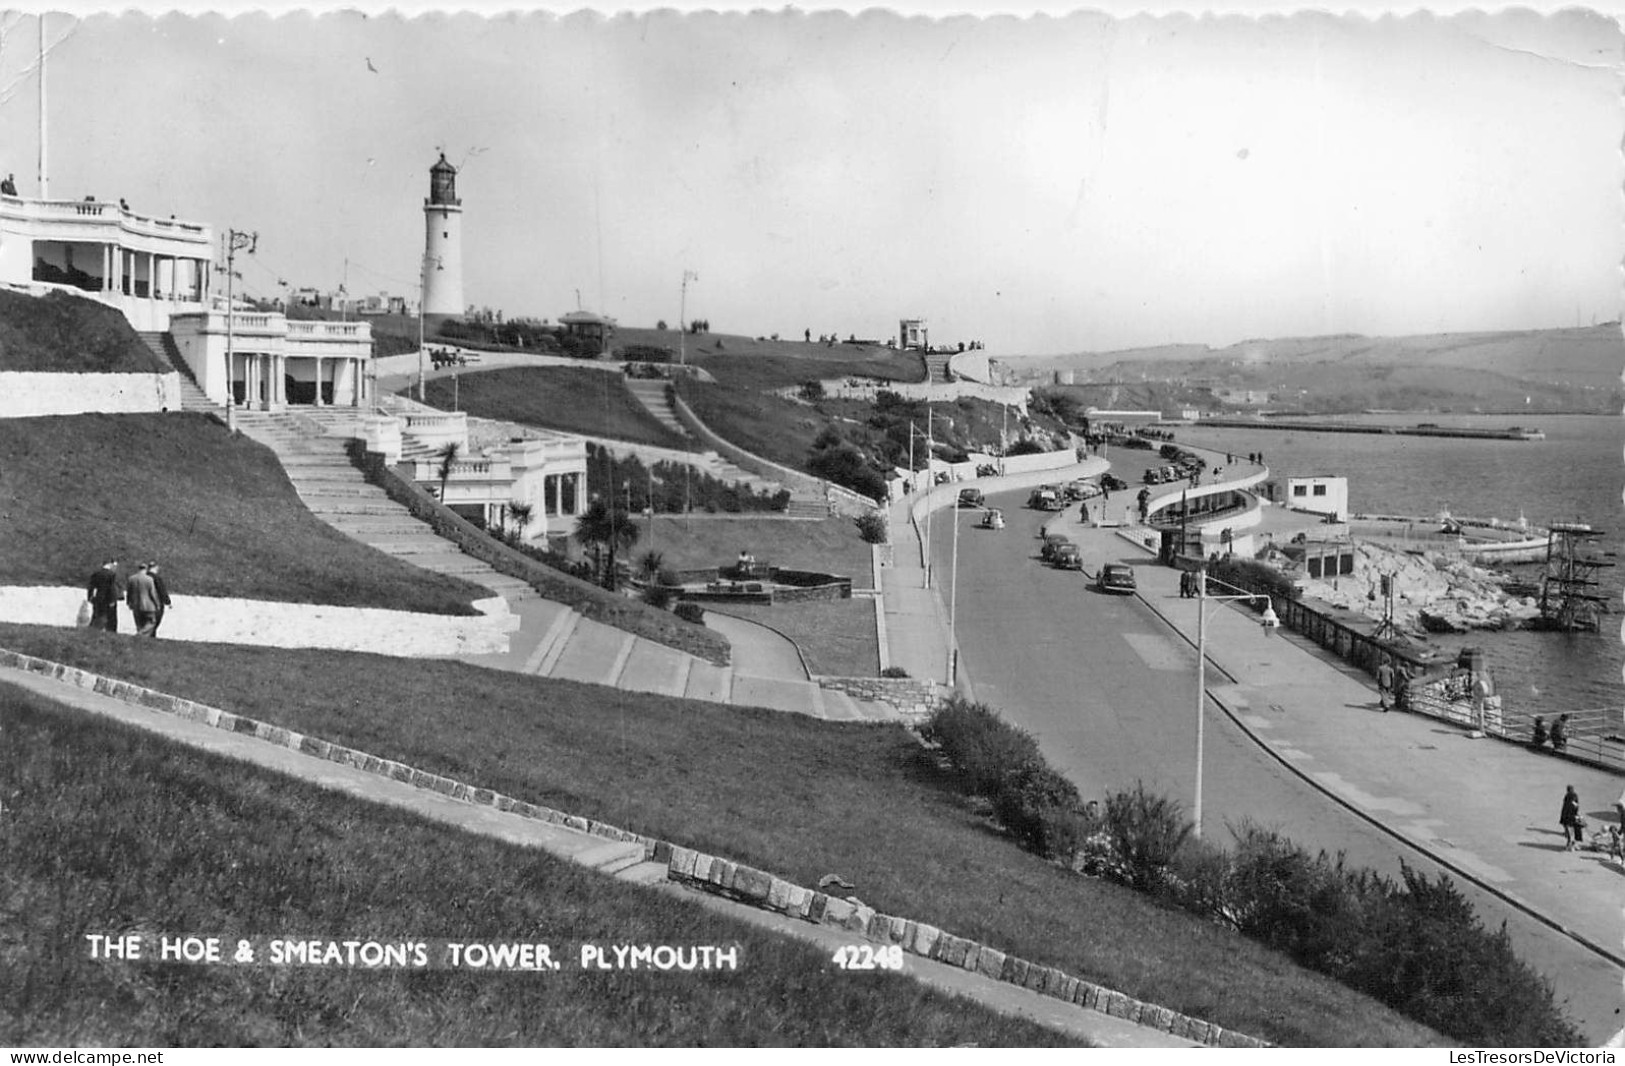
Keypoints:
pixel 145 592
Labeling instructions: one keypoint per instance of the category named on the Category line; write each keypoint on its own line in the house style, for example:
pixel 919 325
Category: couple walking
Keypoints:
pixel 145 592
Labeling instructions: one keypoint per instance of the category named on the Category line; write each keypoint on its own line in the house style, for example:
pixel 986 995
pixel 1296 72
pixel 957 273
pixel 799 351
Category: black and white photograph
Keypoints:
pixel 811 527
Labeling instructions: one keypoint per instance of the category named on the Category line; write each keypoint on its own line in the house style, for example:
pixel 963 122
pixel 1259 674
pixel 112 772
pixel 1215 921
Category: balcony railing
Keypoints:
pixel 97 210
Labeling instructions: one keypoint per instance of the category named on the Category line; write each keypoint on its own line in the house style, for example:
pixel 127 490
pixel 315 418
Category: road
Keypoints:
pixel 1109 691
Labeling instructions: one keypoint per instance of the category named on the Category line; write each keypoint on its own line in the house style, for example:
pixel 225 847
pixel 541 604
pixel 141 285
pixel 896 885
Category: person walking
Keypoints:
pixel 1569 819
pixel 142 596
pixel 1385 684
pixel 162 589
pixel 1560 733
pixel 102 592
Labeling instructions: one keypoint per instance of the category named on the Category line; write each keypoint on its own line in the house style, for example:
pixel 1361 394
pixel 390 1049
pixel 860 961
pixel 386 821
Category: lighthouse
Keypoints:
pixel 443 243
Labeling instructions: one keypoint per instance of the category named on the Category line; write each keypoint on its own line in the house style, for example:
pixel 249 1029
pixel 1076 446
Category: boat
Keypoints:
pixel 1485 541
pixel 1527 433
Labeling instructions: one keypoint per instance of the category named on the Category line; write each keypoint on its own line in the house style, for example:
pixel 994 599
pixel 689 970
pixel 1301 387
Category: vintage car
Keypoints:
pixel 970 498
pixel 1046 498
pixel 1066 557
pixel 1115 577
pixel 993 519
pixel 1112 483
pixel 1052 544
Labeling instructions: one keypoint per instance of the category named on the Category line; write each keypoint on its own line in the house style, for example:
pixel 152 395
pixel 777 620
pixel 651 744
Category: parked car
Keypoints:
pixel 970 498
pixel 1115 577
pixel 993 519
pixel 1066 557
pixel 1045 498
pixel 1052 543
pixel 1112 483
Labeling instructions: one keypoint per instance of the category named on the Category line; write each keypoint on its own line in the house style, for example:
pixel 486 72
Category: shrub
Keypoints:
pixel 894 671
pixel 872 527
pixel 983 747
pixel 690 611
pixel 1031 802
pixel 811 391
pixel 1147 831
pixel 659 596
pixel 1025 446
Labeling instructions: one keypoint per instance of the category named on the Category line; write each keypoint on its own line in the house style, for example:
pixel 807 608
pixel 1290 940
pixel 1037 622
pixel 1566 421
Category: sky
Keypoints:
pixel 1047 184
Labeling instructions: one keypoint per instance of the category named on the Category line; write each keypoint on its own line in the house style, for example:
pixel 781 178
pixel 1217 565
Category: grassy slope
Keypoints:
pixel 218 511
pixel 764 425
pixel 590 402
pixel 70 334
pixel 837 639
pixel 794 795
pixel 746 362
pixel 111 830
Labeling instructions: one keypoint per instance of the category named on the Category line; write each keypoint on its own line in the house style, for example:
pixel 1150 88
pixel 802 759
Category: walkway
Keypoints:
pixel 1484 809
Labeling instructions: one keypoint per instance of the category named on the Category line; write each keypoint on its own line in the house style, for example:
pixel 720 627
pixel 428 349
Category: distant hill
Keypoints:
pixel 1533 370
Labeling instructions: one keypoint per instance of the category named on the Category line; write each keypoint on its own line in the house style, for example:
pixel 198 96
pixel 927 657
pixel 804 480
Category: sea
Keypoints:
pixel 1577 474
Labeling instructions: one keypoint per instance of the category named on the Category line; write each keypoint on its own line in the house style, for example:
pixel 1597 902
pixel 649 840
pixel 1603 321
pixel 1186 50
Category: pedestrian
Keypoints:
pixel 1619 809
pixel 162 589
pixel 1569 819
pixel 1483 689
pixel 103 593
pixel 1537 738
pixel 1560 733
pixel 1184 584
pixel 142 596
pixel 1083 512
pixel 1385 684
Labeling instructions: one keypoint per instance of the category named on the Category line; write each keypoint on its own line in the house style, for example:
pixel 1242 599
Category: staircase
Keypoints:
pixel 193 397
pixel 936 367
pixel 651 393
pixel 311 446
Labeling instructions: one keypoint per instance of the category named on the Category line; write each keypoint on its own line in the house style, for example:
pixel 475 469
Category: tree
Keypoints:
pixel 520 514
pixel 448 459
pixel 602 529
pixel 650 565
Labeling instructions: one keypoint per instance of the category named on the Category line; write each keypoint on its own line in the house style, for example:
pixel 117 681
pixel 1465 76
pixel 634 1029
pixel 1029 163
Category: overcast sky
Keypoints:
pixel 1044 185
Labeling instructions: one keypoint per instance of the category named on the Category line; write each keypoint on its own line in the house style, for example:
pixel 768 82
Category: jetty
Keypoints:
pixel 1423 429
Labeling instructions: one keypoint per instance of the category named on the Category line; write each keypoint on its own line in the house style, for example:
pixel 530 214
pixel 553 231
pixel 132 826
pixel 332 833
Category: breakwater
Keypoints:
pixel 1424 430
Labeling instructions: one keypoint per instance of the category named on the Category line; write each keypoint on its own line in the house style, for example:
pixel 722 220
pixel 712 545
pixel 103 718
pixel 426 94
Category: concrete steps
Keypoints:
pixel 651 393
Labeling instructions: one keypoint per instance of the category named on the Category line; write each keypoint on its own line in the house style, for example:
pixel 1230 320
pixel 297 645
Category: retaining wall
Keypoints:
pixel 25 394
pixel 221 620
pixel 914 700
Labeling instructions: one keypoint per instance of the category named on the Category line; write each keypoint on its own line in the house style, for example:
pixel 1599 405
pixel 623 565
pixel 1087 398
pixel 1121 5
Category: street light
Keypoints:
pixel 929 485
pixel 1202 598
pixel 953 603
pixel 682 311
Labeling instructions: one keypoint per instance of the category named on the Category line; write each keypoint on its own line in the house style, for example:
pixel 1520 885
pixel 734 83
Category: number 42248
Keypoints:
pixel 869 957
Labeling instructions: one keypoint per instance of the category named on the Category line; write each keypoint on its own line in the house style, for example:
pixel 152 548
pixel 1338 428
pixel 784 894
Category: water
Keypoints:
pixel 1575 474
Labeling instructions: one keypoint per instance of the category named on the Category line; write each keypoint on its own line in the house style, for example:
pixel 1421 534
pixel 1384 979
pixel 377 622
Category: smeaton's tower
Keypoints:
pixel 443 243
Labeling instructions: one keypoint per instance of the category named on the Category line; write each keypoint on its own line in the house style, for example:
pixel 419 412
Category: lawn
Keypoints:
pixel 594 403
pixel 216 509
pixel 837 639
pixel 691 542
pixel 758 365
pixel 793 795
pixel 110 830
pixel 70 334
pixel 762 424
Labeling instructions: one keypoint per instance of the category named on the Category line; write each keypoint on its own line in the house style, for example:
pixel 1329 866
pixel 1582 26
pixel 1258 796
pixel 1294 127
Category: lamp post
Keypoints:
pixel 912 430
pixel 953 603
pixel 1202 598
pixel 682 311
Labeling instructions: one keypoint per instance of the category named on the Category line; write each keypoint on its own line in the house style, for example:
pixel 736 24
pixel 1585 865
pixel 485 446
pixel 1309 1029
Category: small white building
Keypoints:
pixel 275 363
pixel 913 334
pixel 1319 495
pixel 547 474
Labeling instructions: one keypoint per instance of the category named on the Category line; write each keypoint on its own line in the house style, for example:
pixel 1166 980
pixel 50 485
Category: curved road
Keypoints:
pixel 1109 691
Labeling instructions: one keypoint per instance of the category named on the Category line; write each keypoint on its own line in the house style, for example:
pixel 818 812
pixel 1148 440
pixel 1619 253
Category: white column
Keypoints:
pixel 318 381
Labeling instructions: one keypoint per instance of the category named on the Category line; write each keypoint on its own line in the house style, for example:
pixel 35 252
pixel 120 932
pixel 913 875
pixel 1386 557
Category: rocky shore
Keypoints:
pixel 1434 593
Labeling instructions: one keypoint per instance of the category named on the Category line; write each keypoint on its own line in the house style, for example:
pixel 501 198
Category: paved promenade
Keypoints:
pixel 1484 809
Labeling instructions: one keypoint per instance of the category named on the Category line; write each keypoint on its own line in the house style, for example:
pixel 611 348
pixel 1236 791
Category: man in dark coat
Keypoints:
pixel 163 595
pixel 142 595
pixel 103 593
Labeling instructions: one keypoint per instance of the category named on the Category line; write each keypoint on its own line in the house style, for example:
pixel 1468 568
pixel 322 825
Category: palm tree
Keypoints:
pixel 520 515
pixel 448 458
pixel 601 528
pixel 649 566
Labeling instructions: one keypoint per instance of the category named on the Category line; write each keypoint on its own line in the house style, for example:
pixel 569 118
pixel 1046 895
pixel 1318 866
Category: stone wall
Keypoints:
pixel 914 699
pixel 219 620
pixel 698 870
pixel 26 395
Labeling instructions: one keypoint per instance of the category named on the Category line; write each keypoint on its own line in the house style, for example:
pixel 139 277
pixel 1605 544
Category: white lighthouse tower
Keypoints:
pixel 443 243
